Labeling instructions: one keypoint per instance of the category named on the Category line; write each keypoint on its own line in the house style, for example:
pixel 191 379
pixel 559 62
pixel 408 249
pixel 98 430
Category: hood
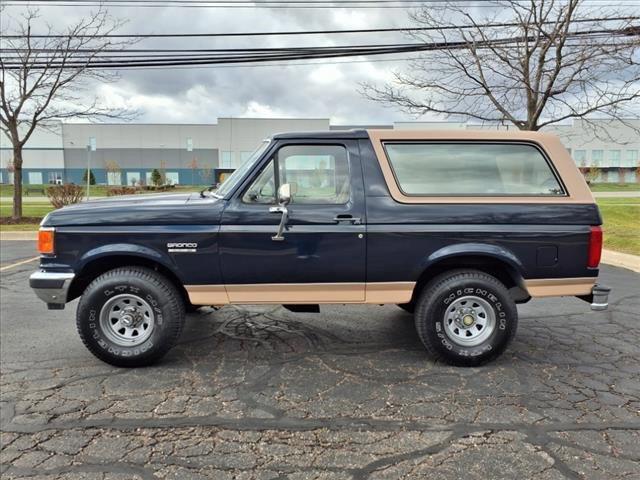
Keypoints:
pixel 126 200
pixel 151 209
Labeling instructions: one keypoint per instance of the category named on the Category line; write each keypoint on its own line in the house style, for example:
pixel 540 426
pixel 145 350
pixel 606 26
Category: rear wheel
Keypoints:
pixel 130 316
pixel 466 317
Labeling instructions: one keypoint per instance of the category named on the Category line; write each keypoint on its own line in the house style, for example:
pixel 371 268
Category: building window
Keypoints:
pixel 55 178
pixel 173 178
pixel 631 158
pixel 597 157
pixel 133 178
pixel 580 157
pixel 189 144
pixel 488 169
pixel 614 158
pixel 114 178
pixel 35 178
pixel 225 160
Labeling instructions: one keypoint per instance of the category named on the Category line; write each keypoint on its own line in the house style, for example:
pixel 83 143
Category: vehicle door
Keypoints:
pixel 320 254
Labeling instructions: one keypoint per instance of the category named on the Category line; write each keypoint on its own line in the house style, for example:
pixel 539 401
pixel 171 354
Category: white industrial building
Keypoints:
pixel 126 154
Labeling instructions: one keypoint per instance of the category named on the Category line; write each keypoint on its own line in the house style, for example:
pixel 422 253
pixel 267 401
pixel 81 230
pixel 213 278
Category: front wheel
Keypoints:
pixel 466 317
pixel 130 316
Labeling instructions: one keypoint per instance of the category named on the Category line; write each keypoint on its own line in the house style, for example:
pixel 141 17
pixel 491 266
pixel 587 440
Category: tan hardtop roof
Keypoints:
pixel 461 134
pixel 576 188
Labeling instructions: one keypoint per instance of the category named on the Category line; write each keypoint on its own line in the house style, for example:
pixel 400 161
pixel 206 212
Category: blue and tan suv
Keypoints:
pixel 456 227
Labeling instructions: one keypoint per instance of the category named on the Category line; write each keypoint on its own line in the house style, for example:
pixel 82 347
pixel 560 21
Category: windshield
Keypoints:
pixel 238 174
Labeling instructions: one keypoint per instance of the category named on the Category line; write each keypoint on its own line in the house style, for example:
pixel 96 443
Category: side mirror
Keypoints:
pixel 284 194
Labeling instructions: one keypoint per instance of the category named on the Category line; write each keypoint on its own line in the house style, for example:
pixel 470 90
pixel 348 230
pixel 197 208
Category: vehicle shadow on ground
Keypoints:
pixel 274 330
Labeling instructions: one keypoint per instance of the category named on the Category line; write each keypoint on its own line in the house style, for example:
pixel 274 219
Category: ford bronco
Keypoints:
pixel 454 227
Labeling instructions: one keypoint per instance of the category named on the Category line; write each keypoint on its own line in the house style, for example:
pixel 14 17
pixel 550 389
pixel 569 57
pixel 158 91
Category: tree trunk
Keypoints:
pixel 17 182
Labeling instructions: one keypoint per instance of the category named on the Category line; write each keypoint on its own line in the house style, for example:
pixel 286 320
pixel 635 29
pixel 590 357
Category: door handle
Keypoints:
pixel 279 237
pixel 347 218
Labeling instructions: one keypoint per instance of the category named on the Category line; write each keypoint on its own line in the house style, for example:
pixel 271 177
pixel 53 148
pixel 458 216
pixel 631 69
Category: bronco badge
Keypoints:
pixel 182 247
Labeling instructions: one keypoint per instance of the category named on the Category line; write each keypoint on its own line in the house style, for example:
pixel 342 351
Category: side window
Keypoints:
pixel 318 174
pixel 263 189
pixel 480 169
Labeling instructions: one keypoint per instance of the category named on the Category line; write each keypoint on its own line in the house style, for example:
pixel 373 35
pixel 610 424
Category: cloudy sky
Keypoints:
pixel 324 89
pixel 312 88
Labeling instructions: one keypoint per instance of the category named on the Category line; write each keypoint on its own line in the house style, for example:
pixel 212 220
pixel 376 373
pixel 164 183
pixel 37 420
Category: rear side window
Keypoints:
pixel 475 169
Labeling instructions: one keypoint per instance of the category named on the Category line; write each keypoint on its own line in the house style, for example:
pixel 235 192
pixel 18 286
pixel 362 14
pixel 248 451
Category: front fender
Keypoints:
pixel 126 249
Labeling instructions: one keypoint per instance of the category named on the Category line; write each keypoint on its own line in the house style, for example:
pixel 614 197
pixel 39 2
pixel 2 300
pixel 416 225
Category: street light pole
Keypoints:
pixel 91 147
pixel 88 172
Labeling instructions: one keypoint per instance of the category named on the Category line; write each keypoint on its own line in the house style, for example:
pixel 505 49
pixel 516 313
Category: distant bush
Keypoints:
pixel 121 191
pixel 156 177
pixel 67 194
pixel 92 178
pixel 161 188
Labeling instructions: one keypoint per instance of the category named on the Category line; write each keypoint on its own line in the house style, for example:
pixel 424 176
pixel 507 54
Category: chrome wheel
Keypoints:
pixel 469 321
pixel 127 320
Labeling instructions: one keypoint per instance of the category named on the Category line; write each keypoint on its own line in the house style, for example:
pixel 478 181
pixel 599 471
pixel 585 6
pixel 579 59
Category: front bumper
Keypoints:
pixel 51 287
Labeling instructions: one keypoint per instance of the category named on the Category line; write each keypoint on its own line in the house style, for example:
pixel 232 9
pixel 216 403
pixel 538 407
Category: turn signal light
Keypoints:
pixel 45 240
pixel 595 247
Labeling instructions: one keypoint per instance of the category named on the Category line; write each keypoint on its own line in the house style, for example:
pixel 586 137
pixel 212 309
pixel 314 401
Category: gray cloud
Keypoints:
pixel 203 94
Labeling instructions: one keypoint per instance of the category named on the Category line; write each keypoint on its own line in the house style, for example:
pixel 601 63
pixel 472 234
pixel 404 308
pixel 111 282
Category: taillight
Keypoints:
pixel 45 240
pixel 595 247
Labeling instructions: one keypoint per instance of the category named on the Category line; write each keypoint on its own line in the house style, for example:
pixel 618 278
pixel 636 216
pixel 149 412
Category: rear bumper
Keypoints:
pixel 599 297
pixel 51 287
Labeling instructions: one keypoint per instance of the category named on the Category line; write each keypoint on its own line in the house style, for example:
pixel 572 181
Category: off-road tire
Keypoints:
pixel 442 292
pixel 156 290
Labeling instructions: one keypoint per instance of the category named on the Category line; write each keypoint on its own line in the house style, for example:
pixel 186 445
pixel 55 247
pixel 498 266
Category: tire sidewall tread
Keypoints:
pixel 430 308
pixel 155 289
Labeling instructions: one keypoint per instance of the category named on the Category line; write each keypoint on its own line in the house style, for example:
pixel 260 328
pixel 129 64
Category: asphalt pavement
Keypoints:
pixel 263 393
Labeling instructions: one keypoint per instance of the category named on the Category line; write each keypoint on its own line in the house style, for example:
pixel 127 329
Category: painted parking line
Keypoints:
pixel 17 264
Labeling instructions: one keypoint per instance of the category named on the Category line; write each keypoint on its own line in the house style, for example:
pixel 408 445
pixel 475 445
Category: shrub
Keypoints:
pixel 92 178
pixel 67 194
pixel 121 191
pixel 156 177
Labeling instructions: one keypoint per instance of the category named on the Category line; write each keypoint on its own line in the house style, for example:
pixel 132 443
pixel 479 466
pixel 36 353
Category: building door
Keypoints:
pixel 322 255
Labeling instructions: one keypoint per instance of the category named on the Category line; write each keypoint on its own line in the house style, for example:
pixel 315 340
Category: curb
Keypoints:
pixel 624 260
pixel 27 235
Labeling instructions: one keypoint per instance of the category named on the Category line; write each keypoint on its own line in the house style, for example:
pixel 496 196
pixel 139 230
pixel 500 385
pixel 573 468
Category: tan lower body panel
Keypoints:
pixel 560 287
pixel 376 292
pixel 300 293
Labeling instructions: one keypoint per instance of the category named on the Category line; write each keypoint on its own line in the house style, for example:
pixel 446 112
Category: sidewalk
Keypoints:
pixel 618 259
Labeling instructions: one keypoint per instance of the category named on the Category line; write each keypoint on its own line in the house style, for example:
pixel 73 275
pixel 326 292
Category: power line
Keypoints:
pixel 253 56
pixel 322 32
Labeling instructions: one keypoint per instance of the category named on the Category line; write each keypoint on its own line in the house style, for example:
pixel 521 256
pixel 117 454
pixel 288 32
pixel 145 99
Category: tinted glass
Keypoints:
pixel 318 174
pixel 238 175
pixel 263 189
pixel 471 169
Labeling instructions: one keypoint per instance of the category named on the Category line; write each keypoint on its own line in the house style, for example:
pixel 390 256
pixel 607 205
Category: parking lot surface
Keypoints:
pixel 346 394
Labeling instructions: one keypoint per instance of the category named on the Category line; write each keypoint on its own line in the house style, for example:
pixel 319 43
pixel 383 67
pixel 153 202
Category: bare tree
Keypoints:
pixel 528 63
pixel 44 76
